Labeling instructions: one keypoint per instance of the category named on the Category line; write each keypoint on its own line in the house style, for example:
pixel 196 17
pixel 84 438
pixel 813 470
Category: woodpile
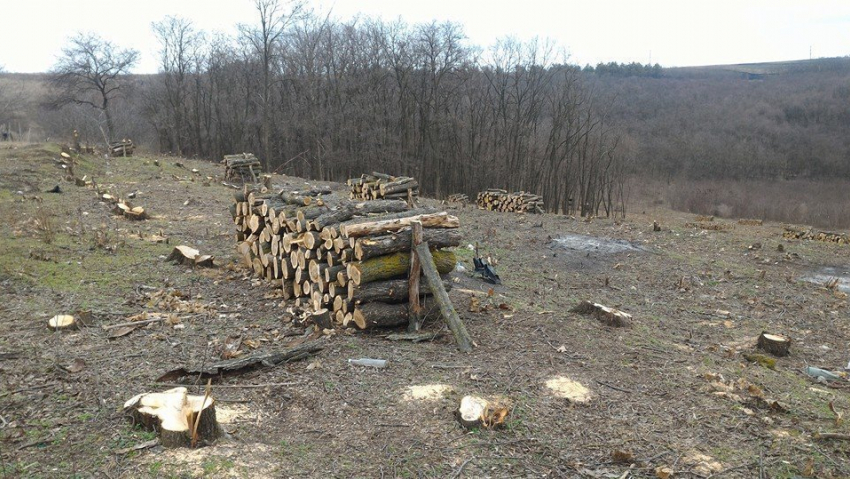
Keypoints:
pixel 750 222
pixel 124 147
pixel 458 198
pixel 501 200
pixel 793 232
pixel 380 186
pixel 709 225
pixel 350 258
pixel 241 167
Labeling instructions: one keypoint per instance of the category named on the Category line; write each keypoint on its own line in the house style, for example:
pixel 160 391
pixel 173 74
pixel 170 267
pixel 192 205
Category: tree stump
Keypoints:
pixel 608 316
pixel 62 322
pixel 173 414
pixel 774 344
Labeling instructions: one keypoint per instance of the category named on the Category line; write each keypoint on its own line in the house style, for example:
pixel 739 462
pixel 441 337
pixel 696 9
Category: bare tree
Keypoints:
pixel 91 72
pixel 275 16
pixel 180 46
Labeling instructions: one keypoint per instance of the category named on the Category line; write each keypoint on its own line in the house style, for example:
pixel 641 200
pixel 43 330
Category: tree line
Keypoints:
pixel 328 100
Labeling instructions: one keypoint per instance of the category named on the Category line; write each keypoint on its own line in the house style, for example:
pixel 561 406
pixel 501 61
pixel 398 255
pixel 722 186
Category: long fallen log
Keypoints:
pixel 274 358
pixel 396 264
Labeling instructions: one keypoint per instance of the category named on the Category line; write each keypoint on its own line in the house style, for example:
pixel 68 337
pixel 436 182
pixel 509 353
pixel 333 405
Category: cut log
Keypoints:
pixel 431 270
pixel 62 322
pixel 380 315
pixel 322 318
pixel 349 211
pixel 433 220
pixel 396 264
pixel 609 316
pixel 774 344
pixel 373 246
pixel 388 291
pixel 173 414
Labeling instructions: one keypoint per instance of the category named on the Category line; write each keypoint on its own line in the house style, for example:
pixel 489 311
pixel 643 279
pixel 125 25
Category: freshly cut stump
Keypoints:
pixel 476 411
pixel 774 344
pixel 173 414
pixel 62 321
pixel 187 255
pixel 609 316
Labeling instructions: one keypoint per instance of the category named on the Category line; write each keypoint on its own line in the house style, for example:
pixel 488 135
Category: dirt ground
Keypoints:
pixel 674 393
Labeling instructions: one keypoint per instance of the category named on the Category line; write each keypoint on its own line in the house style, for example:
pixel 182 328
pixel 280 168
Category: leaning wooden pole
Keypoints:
pixel 415 313
pixel 447 309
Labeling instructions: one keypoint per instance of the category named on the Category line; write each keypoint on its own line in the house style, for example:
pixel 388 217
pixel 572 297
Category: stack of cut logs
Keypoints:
pixel 377 186
pixel 458 198
pixel 124 147
pixel 348 261
pixel 792 232
pixel 501 200
pixel 241 167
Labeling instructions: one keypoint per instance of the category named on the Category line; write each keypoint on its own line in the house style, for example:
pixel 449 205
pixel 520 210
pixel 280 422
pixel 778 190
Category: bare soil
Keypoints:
pixel 674 391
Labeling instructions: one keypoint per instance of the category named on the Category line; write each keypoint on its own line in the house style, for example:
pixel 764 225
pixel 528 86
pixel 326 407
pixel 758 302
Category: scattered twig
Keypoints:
pixel 230 386
pixel 32 388
pixel 615 388
pixel 138 447
pixel 460 469
pixel 134 323
pixel 832 435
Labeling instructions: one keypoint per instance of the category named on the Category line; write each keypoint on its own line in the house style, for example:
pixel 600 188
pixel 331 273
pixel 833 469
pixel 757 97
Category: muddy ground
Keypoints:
pixel 674 393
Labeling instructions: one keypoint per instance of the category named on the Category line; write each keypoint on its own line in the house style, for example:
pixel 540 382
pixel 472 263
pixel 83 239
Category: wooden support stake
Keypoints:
pixel 464 342
pixel 415 313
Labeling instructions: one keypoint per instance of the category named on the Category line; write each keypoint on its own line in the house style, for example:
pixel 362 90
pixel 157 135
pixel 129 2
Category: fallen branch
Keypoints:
pixel 238 364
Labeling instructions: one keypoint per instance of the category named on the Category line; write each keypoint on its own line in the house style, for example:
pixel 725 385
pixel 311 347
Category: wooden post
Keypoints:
pixel 464 342
pixel 415 313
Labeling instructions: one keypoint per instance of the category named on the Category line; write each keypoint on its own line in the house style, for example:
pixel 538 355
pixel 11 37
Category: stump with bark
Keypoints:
pixel 608 316
pixel 180 419
pixel 774 344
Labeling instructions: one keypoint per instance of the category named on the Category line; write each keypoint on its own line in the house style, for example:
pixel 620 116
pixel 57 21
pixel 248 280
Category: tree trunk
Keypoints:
pixel 431 270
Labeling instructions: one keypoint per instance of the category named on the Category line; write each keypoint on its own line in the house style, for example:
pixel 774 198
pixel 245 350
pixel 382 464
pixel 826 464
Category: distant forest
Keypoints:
pixel 328 100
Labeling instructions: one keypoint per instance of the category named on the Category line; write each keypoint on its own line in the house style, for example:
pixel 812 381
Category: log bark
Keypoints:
pixel 396 264
pixel 349 211
pixel 381 315
pixel 431 270
pixel 433 220
pixel 403 214
pixel 388 291
pixel 370 247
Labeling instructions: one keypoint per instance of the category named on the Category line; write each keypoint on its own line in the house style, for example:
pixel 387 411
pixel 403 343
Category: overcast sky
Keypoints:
pixel 672 33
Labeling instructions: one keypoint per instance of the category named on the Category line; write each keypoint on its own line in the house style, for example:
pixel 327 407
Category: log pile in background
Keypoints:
pixel 242 167
pixel 350 258
pixel 124 147
pixel 377 186
pixel 792 232
pixel 458 198
pixel 501 200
